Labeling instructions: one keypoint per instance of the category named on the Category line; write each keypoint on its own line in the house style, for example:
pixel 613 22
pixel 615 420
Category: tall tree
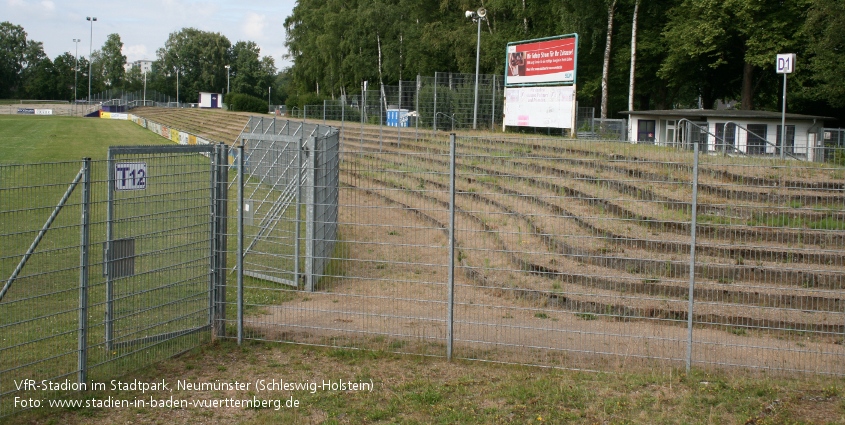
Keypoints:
pixel 251 74
pixel 114 62
pixel 12 48
pixel 632 75
pixel 198 57
pixel 611 9
pixel 825 30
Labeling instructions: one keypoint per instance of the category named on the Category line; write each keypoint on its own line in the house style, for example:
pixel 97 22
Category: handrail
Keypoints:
pixel 764 140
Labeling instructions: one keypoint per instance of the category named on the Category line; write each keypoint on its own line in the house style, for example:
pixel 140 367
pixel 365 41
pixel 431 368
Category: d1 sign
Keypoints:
pixel 786 63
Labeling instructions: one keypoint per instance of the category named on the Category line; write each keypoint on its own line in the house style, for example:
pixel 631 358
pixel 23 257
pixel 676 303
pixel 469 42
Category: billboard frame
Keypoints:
pixel 549 83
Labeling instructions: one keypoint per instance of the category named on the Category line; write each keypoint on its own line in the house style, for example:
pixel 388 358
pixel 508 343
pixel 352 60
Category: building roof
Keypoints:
pixel 722 113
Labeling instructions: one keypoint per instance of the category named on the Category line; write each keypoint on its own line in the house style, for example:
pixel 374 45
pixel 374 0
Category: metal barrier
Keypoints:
pixel 108 266
pixel 291 165
pixel 577 254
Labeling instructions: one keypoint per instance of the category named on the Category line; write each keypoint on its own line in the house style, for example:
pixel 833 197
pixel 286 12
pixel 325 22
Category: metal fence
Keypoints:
pixel 541 251
pixel 292 166
pixel 576 254
pixel 107 266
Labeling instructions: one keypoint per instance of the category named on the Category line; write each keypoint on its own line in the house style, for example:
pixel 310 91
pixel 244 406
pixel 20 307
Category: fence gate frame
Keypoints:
pixel 116 251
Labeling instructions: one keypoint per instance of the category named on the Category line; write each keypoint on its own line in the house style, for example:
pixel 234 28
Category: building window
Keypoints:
pixel 725 137
pixel 756 141
pixel 789 143
pixel 645 131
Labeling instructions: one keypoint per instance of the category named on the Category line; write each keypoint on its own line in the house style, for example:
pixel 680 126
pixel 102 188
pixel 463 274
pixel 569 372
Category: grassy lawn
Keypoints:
pixel 418 390
pixel 28 139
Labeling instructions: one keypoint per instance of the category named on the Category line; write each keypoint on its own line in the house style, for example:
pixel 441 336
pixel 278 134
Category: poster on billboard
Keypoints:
pixel 544 61
pixel 551 107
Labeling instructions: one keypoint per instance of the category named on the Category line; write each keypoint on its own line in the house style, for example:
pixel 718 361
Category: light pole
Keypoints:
pixel 477 16
pixel 177 86
pixel 90 52
pixel 228 67
pixel 268 99
pixel 145 87
pixel 76 68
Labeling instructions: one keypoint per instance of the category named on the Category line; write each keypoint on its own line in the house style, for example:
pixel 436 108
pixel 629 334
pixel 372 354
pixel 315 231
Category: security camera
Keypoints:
pixel 469 13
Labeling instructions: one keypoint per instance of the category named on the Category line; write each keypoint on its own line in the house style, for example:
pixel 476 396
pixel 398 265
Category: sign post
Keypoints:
pixel 785 65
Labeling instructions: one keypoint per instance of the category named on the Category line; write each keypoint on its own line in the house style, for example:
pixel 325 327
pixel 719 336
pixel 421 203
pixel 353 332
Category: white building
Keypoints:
pixel 748 132
pixel 143 64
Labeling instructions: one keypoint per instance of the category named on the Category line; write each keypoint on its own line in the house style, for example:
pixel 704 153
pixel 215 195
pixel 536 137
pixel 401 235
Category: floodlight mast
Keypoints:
pixel 476 16
pixel 90 52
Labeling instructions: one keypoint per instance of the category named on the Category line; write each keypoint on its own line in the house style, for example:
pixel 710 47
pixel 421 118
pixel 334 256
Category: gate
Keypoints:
pixel 108 266
pixel 162 255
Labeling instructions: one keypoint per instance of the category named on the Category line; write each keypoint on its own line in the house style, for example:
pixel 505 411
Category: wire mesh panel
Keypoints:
pixel 568 253
pixel 157 250
pixel 40 225
pixel 383 284
pixel 770 284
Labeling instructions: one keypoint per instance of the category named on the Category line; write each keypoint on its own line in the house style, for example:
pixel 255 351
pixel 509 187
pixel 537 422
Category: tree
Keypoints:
pixel 114 62
pixel 632 75
pixel 825 30
pixel 251 74
pixel 721 45
pixel 63 67
pixel 12 47
pixel 199 58
pixel 611 8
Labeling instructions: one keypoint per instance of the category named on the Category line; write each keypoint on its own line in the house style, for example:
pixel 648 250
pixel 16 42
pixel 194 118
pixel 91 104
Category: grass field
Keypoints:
pixel 30 139
pixel 414 389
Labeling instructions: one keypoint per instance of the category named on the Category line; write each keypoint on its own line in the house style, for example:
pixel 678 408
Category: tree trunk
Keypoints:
pixel 633 56
pixel 380 79
pixel 524 18
pixel 606 66
pixel 747 87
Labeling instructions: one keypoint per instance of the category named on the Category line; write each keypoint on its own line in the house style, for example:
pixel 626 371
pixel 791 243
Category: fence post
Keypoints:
pixel 85 237
pixel 434 116
pixel 691 296
pixel 298 213
pixel 451 297
pixel 109 331
pixel 241 244
pixel 222 174
pixel 399 117
pixel 380 116
pixel 417 110
pixel 493 114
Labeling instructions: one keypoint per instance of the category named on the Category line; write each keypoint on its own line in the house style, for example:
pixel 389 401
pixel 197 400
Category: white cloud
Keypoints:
pixel 136 52
pixel 253 26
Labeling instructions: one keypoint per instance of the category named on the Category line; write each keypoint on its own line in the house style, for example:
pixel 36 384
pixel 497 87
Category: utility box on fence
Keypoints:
pixel 397 117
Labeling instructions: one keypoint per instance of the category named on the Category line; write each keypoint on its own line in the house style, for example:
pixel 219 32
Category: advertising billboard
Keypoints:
pixel 541 62
pixel 551 107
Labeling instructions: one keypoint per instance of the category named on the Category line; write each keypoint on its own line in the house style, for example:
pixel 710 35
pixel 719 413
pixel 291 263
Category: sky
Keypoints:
pixel 144 25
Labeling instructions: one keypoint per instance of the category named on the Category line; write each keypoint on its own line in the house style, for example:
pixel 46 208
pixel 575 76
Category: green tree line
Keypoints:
pixel 688 52
pixel 198 57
